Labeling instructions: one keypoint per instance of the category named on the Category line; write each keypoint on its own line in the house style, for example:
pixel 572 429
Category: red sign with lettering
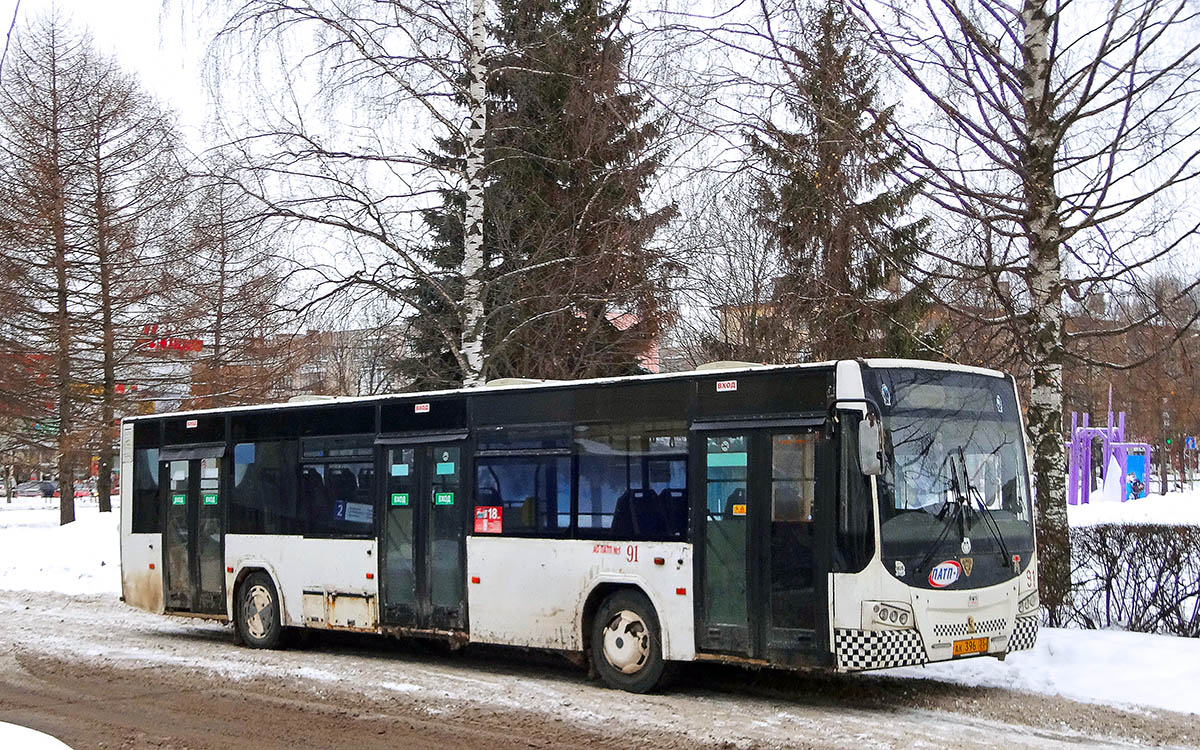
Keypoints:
pixel 171 343
pixel 725 386
pixel 489 519
pixel 421 408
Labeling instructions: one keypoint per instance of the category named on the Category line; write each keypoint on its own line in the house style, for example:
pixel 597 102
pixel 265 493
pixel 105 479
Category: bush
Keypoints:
pixel 1144 578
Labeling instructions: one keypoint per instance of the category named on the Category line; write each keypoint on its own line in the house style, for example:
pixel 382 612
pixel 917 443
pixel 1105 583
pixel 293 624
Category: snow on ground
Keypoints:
pixel 14 736
pixel 1172 508
pixel 36 554
pixel 1107 667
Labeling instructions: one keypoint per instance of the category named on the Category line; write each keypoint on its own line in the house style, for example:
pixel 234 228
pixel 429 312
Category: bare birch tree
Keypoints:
pixel 1062 135
pixel 345 161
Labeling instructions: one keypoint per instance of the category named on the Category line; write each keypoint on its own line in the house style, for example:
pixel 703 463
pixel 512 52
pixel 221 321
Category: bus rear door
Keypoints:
pixel 193 532
pixel 422 536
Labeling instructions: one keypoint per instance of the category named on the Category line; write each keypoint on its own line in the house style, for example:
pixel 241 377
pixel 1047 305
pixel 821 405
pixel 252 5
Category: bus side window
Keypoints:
pixel 533 492
pixel 632 481
pixel 146 515
pixel 264 488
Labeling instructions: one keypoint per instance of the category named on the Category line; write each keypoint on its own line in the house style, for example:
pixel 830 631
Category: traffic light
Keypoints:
pixel 1168 441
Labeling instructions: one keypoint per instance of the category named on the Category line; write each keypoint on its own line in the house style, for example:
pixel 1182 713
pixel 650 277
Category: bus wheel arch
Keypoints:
pixel 257 609
pixel 623 637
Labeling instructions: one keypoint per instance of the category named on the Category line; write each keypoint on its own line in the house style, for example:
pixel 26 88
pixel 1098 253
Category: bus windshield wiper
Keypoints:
pixel 990 521
pixel 952 511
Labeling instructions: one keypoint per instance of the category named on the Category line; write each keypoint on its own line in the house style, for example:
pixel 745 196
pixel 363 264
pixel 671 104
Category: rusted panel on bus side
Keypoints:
pixel 340 611
pixel 143 589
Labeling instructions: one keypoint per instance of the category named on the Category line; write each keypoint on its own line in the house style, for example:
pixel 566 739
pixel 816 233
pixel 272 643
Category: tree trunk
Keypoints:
pixel 1046 433
pixel 107 407
pixel 1046 319
pixel 66 471
pixel 472 356
pixel 66 478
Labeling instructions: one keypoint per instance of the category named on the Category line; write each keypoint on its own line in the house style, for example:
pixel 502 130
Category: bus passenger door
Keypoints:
pixel 756 540
pixel 423 536
pixel 724 602
pixel 193 548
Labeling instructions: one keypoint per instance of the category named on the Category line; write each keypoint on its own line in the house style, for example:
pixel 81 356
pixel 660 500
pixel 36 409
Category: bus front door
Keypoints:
pixel 192 536
pixel 423 537
pixel 756 541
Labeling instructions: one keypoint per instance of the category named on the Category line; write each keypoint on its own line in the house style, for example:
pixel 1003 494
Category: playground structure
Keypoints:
pixel 1115 456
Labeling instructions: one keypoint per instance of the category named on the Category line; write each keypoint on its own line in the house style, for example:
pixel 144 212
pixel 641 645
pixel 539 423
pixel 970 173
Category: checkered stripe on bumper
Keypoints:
pixel 873 649
pixel 1024 634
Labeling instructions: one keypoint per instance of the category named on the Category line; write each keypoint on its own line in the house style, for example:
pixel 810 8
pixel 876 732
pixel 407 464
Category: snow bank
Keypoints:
pixel 1111 667
pixel 14 736
pixel 36 554
pixel 1181 508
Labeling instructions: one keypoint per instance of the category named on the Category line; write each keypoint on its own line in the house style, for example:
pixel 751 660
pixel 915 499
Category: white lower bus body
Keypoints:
pixel 534 594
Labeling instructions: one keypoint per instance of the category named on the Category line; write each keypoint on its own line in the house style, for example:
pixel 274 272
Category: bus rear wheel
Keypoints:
pixel 627 643
pixel 259 624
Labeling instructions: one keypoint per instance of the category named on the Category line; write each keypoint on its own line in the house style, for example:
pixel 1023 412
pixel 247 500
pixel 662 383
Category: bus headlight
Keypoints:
pixel 887 614
pixel 1028 604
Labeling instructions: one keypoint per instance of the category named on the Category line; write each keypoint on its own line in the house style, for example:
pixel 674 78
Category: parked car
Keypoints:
pixel 36 488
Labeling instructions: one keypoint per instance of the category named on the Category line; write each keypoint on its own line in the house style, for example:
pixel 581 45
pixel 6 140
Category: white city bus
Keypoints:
pixel 853 515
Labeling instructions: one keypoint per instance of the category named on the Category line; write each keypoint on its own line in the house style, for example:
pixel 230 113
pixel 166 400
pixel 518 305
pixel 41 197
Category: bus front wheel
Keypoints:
pixel 627 643
pixel 259 624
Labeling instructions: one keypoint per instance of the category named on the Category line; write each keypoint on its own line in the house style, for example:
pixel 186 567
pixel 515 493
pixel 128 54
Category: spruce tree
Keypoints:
pixel 575 287
pixel 823 198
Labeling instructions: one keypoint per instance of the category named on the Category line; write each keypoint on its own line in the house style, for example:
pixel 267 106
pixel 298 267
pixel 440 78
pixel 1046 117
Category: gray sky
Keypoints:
pixel 165 54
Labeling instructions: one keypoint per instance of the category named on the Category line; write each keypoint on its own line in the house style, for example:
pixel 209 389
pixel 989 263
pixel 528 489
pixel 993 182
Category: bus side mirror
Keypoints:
pixel 870 445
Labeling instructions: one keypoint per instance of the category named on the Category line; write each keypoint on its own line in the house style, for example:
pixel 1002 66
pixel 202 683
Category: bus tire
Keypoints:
pixel 259 624
pixel 627 643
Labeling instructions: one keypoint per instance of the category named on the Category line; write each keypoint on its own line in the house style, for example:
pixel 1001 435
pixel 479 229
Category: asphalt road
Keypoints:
pixel 100 675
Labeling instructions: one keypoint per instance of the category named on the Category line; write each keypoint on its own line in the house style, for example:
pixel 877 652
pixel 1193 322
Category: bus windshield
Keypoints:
pixel 955 478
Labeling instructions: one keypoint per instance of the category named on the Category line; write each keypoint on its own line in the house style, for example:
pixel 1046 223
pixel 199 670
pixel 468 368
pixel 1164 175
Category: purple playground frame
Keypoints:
pixel 1079 454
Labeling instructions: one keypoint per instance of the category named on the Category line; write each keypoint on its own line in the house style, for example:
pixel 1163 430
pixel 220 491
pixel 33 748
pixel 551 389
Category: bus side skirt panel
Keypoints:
pixel 298 564
pixel 518 588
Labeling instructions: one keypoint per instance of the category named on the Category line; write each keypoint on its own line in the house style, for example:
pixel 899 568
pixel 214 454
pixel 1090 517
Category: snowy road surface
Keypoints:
pixel 95 673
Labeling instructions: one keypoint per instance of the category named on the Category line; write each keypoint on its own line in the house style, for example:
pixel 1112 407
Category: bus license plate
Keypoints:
pixel 971 646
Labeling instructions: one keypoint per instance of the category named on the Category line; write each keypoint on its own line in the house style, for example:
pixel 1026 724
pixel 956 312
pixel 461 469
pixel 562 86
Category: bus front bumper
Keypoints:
pixel 860 650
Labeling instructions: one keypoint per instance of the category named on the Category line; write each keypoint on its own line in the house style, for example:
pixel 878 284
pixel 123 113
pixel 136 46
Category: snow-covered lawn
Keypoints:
pixel 1112 667
pixel 1109 667
pixel 36 554
pixel 1174 508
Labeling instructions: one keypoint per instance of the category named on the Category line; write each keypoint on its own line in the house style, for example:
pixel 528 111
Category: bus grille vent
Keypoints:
pixel 963 629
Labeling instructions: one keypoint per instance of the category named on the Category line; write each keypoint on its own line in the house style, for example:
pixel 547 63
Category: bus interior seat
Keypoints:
pixel 649 513
pixel 622 517
pixel 314 498
pixel 674 503
pixel 737 497
pixel 487 496
pixel 342 485
pixel 312 484
pixel 529 512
